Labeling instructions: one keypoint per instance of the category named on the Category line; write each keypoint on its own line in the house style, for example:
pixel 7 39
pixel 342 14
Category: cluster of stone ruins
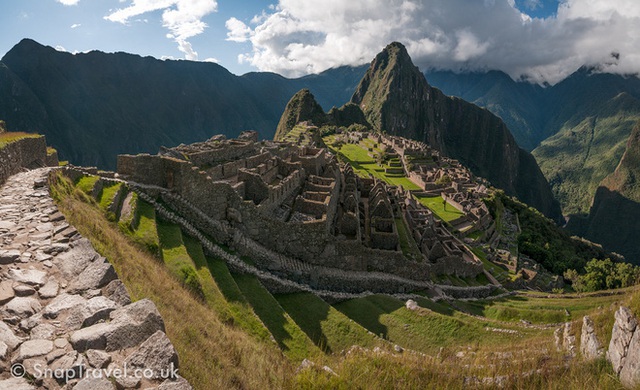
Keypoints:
pixel 301 202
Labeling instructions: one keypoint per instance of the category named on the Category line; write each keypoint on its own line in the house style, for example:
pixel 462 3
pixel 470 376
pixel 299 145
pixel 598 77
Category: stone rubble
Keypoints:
pixel 62 306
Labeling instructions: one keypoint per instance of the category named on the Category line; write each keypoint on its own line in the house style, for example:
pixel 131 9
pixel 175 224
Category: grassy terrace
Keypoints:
pixel 7 138
pixel 444 211
pixel 364 165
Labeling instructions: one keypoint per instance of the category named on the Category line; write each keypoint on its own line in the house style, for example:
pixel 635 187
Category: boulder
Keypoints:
pixel 77 259
pixel 117 292
pixel 179 384
pixel 92 311
pixel 94 384
pixel 96 275
pixel 62 303
pixel 97 358
pixel 412 305
pixel 33 348
pixel 590 346
pixel 50 289
pixel 157 354
pixel 9 257
pixel 31 277
pixel 6 291
pixel 623 329
pixel 132 324
pixel 23 306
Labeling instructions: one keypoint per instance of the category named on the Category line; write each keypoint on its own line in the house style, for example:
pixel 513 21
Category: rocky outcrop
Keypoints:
pixel 63 308
pixel 590 347
pixel 565 338
pixel 624 348
pixel 395 97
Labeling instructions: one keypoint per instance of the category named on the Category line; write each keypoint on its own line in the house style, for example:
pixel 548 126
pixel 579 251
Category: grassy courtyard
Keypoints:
pixel 443 210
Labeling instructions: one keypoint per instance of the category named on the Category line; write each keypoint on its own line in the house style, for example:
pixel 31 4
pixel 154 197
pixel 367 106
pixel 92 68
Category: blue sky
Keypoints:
pixel 537 40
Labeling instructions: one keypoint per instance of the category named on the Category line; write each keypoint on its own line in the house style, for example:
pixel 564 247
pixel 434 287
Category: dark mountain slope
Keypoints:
pixel 395 97
pixel 517 103
pixel 93 106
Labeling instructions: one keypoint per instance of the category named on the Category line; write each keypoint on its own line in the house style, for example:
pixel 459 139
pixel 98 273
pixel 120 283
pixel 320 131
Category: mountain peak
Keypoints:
pixel 302 107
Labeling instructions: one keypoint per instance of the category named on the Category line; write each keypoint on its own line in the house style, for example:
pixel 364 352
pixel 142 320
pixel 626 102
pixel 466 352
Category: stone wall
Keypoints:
pixel 23 153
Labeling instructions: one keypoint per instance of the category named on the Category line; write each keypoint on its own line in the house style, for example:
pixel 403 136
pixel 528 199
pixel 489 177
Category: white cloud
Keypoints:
pixel 68 2
pixel 183 18
pixel 76 25
pixel 238 31
pixel 299 37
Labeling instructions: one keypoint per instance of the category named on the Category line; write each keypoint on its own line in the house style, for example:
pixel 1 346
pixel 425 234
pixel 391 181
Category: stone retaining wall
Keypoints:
pixel 24 153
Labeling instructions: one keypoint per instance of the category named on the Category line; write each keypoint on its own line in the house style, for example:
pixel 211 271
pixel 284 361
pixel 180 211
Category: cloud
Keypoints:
pixel 60 48
pixel 76 25
pixel 298 37
pixel 68 2
pixel 183 18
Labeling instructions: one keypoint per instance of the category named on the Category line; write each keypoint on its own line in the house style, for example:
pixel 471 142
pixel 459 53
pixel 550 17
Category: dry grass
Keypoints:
pixel 213 355
pixel 7 138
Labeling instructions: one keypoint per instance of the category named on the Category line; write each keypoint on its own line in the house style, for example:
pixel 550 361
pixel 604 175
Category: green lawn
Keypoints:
pixel 295 344
pixel 144 231
pixel 364 165
pixel 435 325
pixel 539 309
pixel 107 196
pixel 86 183
pixel 444 211
pixel 243 314
pixel 329 329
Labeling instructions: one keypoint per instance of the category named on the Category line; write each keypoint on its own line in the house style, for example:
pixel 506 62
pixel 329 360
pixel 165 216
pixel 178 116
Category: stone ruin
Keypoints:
pixel 282 200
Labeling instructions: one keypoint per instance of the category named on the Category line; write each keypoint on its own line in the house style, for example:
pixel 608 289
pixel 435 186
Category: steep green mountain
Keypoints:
pixel 586 150
pixel 614 219
pixel 395 97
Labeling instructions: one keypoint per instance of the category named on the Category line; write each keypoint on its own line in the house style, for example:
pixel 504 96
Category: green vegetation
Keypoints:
pixel 86 184
pixel 365 165
pixel 291 339
pixel 143 227
pixel 441 209
pixel 541 309
pixel 603 274
pixel 176 257
pixel 407 243
pixel 329 329
pixel 544 241
pixel 582 153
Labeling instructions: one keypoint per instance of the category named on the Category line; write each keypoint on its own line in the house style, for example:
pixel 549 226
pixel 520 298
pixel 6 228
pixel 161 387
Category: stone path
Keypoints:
pixel 67 321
